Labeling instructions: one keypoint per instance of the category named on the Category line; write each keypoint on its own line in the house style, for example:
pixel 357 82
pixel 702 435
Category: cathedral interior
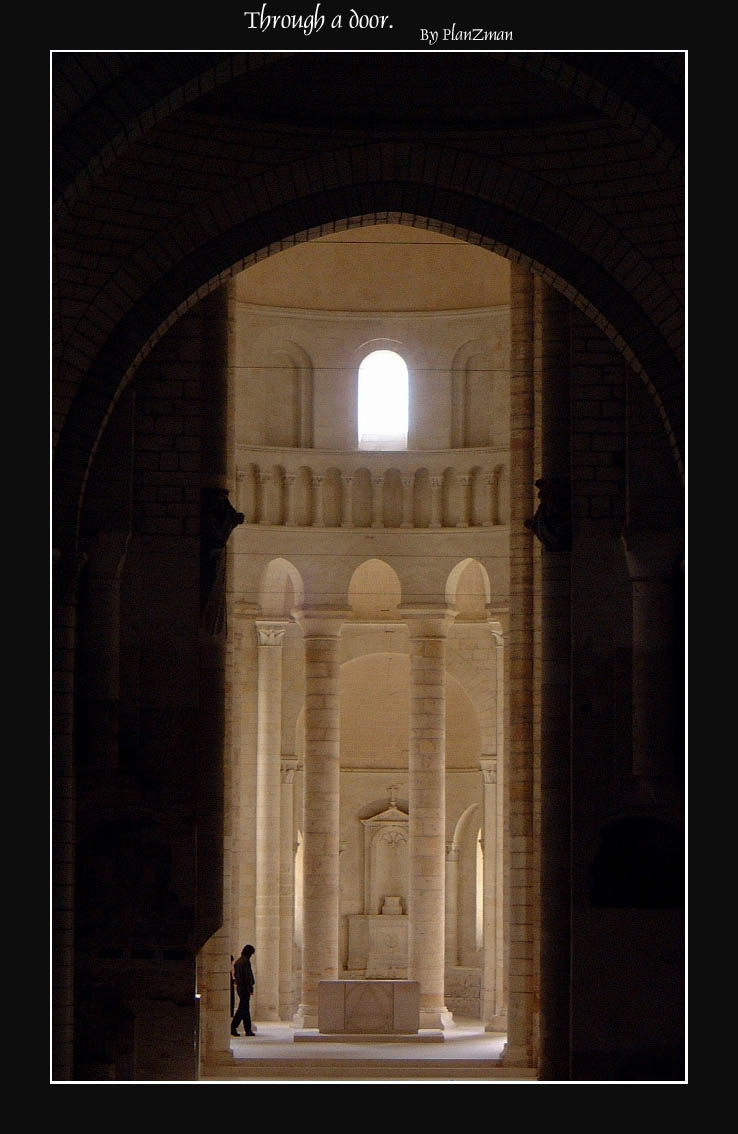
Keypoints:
pixel 368 552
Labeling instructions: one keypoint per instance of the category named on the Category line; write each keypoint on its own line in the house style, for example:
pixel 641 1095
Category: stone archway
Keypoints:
pixel 113 319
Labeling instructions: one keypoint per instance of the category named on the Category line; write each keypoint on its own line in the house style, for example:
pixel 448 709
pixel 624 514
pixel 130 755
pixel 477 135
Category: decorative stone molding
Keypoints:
pixel 271 633
pixel 488 764
pixel 423 477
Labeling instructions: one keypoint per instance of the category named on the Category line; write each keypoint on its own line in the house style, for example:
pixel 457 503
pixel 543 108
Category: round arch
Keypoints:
pixel 374 590
pixel 281 589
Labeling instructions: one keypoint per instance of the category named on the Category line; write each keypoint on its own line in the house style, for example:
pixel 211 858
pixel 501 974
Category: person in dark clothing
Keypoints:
pixel 244 986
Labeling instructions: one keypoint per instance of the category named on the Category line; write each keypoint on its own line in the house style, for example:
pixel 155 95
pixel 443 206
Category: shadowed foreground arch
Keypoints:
pixel 140 243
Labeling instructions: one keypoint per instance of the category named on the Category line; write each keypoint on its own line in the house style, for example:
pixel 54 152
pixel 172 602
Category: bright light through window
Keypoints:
pixel 383 401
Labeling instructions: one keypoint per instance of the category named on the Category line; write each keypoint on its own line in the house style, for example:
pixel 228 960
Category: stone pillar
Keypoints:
pixel 287 888
pixel 321 793
pixel 264 503
pixel 492 1016
pixel 427 821
pixel 214 990
pixel 268 755
pixel 452 905
pixel 407 501
pixel 289 496
pixel 493 508
pixel 347 519
pixel 520 763
pixel 318 520
pixel 436 484
pixel 465 510
pixel 498 1019
pixel 377 502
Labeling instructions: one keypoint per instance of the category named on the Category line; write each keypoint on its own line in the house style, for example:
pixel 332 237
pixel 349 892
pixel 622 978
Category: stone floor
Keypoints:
pixel 467 1054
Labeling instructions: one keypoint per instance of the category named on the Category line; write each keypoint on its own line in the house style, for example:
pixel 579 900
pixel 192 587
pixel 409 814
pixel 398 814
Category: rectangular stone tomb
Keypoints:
pixel 365 1007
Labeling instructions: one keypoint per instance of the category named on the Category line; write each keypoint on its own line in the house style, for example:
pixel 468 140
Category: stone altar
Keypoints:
pixel 363 1007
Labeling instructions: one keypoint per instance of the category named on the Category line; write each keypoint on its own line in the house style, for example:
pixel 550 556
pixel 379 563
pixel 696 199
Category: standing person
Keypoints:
pixel 244 976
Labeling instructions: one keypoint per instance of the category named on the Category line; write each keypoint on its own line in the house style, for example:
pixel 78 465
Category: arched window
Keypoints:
pixel 383 395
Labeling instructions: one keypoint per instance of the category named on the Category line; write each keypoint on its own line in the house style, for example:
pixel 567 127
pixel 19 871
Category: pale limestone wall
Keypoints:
pixel 285 356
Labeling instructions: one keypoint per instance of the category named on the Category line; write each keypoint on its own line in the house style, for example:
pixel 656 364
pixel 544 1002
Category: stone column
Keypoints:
pixel 377 502
pixel 321 793
pixel 318 520
pixel 287 888
pixel 347 519
pixel 407 501
pixel 427 821
pixel 264 509
pixel 289 495
pixel 268 756
pixel 465 511
pixel 452 905
pixel 497 1020
pixel 436 484
pixel 493 507
pixel 491 1014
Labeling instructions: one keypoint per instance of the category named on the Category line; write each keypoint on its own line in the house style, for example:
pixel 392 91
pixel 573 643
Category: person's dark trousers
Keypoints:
pixel 242 1015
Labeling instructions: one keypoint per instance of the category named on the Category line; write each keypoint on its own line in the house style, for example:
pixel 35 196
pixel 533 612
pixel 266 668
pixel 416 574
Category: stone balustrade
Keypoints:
pixel 447 488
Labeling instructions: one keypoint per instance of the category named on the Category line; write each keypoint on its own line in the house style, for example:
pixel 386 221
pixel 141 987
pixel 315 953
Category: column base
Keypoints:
pixel 431 1019
pixel 268 1015
pixel 516 1055
pixel 496 1023
pixel 305 1017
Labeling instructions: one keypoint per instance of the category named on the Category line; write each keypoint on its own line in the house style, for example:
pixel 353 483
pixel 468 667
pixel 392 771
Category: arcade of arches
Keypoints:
pixel 384 711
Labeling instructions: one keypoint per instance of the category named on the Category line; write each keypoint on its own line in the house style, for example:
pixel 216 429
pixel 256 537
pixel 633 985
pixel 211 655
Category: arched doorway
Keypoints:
pixel 112 325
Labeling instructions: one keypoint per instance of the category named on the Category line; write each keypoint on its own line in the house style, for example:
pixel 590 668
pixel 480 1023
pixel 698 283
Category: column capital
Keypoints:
pixel 427 620
pixel 320 621
pixel 288 766
pixel 271 631
pixel 498 620
pixel 488 764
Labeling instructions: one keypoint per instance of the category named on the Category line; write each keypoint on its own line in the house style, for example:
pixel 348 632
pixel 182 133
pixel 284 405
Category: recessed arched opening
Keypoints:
pixel 383 401
pixel 374 590
pixel 281 589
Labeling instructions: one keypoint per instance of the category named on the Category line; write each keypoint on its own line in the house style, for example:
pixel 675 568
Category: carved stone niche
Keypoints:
pixel 378 937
